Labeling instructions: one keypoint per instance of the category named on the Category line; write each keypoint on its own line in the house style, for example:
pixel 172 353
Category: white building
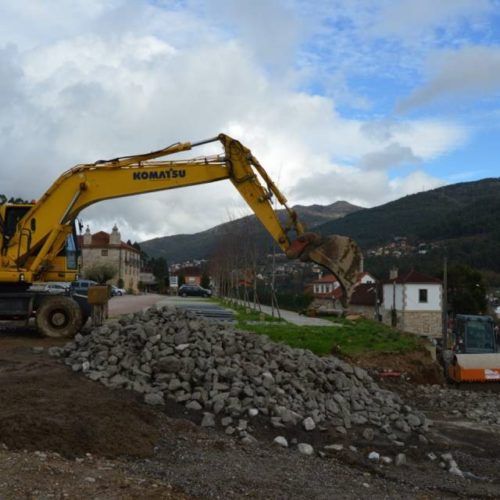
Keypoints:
pixel 413 303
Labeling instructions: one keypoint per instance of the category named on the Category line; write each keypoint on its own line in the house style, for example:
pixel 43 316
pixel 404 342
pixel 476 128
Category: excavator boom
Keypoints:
pixel 32 248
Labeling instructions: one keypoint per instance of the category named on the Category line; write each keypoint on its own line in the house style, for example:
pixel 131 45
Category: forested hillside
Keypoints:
pixel 462 220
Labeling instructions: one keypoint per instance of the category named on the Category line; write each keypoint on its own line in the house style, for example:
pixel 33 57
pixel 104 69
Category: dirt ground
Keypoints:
pixel 64 436
pixel 416 366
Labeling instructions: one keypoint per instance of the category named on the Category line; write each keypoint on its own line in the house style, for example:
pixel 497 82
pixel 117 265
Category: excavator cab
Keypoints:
pixel 10 215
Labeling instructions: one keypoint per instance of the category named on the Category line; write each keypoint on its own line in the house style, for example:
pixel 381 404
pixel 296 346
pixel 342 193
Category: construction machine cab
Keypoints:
pixel 474 334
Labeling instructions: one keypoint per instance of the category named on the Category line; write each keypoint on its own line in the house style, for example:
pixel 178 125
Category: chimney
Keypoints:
pixel 393 273
pixel 87 237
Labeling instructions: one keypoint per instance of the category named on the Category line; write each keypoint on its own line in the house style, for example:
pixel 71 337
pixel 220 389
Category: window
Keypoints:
pixel 422 295
pixel 104 253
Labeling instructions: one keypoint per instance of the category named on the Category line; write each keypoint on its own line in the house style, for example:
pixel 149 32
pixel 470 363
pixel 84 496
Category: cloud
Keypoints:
pixel 411 20
pixel 393 155
pixel 159 73
pixel 362 187
pixel 471 71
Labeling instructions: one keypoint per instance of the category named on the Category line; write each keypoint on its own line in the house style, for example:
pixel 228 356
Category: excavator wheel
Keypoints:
pixel 58 317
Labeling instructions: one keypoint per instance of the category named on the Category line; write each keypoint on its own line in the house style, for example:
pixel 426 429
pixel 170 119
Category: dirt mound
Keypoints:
pixel 46 407
pixel 417 366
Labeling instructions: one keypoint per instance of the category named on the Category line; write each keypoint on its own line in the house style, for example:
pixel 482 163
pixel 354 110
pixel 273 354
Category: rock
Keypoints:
pixel 208 420
pixel 38 350
pixel 169 364
pixel 368 434
pixel 422 439
pixel 194 405
pixel 386 460
pixel 154 398
pixel 431 456
pixel 413 420
pixel 54 351
pixel 281 441
pixel 249 440
pixel 212 367
pixel 400 459
pixel 225 421
pixel 374 456
pixel 455 471
pixel 334 447
pixel 305 449
pixel 308 424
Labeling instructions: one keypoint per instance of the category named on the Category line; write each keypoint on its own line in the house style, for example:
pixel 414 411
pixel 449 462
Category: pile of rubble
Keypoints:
pixel 233 376
pixel 478 406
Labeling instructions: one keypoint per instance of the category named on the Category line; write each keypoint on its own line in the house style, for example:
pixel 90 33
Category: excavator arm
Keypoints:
pixel 42 233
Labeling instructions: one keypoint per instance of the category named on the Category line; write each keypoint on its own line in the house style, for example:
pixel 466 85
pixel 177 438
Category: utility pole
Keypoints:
pixel 445 302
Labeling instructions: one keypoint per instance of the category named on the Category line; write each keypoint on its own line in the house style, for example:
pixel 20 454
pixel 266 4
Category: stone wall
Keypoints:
pixel 425 323
pixel 428 323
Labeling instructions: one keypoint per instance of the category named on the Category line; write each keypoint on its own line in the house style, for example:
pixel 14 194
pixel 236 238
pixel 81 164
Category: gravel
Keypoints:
pixel 477 406
pixel 212 368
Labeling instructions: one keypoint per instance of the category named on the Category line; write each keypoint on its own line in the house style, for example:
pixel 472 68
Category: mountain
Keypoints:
pixel 182 247
pixel 461 220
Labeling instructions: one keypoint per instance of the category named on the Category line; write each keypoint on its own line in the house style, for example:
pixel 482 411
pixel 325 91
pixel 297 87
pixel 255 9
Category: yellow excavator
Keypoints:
pixel 38 240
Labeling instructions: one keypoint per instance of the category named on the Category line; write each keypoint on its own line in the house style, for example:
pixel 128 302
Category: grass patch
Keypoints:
pixel 346 337
pixel 351 339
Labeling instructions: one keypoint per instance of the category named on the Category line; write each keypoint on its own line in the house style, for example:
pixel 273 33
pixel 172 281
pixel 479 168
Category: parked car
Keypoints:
pixel 57 288
pixel 194 291
pixel 117 292
pixel 82 286
pixel 52 288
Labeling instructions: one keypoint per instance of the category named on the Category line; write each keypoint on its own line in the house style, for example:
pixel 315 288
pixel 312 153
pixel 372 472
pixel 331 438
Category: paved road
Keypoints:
pixel 295 318
pixel 132 303
pixel 203 307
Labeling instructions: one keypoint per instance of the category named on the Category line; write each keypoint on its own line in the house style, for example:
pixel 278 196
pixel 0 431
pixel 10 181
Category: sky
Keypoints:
pixel 357 100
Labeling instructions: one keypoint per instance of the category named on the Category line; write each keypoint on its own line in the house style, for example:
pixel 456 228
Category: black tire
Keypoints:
pixel 59 317
pixel 205 295
pixel 183 294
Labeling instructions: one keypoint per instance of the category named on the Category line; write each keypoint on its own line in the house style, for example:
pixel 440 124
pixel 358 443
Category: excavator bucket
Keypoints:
pixel 339 254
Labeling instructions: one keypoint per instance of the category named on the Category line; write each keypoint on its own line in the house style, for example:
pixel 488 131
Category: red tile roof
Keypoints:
pixel 101 240
pixel 329 278
pixel 414 277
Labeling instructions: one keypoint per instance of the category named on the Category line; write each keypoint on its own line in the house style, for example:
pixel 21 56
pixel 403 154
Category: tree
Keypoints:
pixel 466 290
pixel 182 279
pixel 159 268
pixel 101 272
pixel 205 280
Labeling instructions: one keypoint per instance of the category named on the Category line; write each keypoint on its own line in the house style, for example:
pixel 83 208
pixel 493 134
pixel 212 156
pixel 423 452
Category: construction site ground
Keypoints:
pixel 64 436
